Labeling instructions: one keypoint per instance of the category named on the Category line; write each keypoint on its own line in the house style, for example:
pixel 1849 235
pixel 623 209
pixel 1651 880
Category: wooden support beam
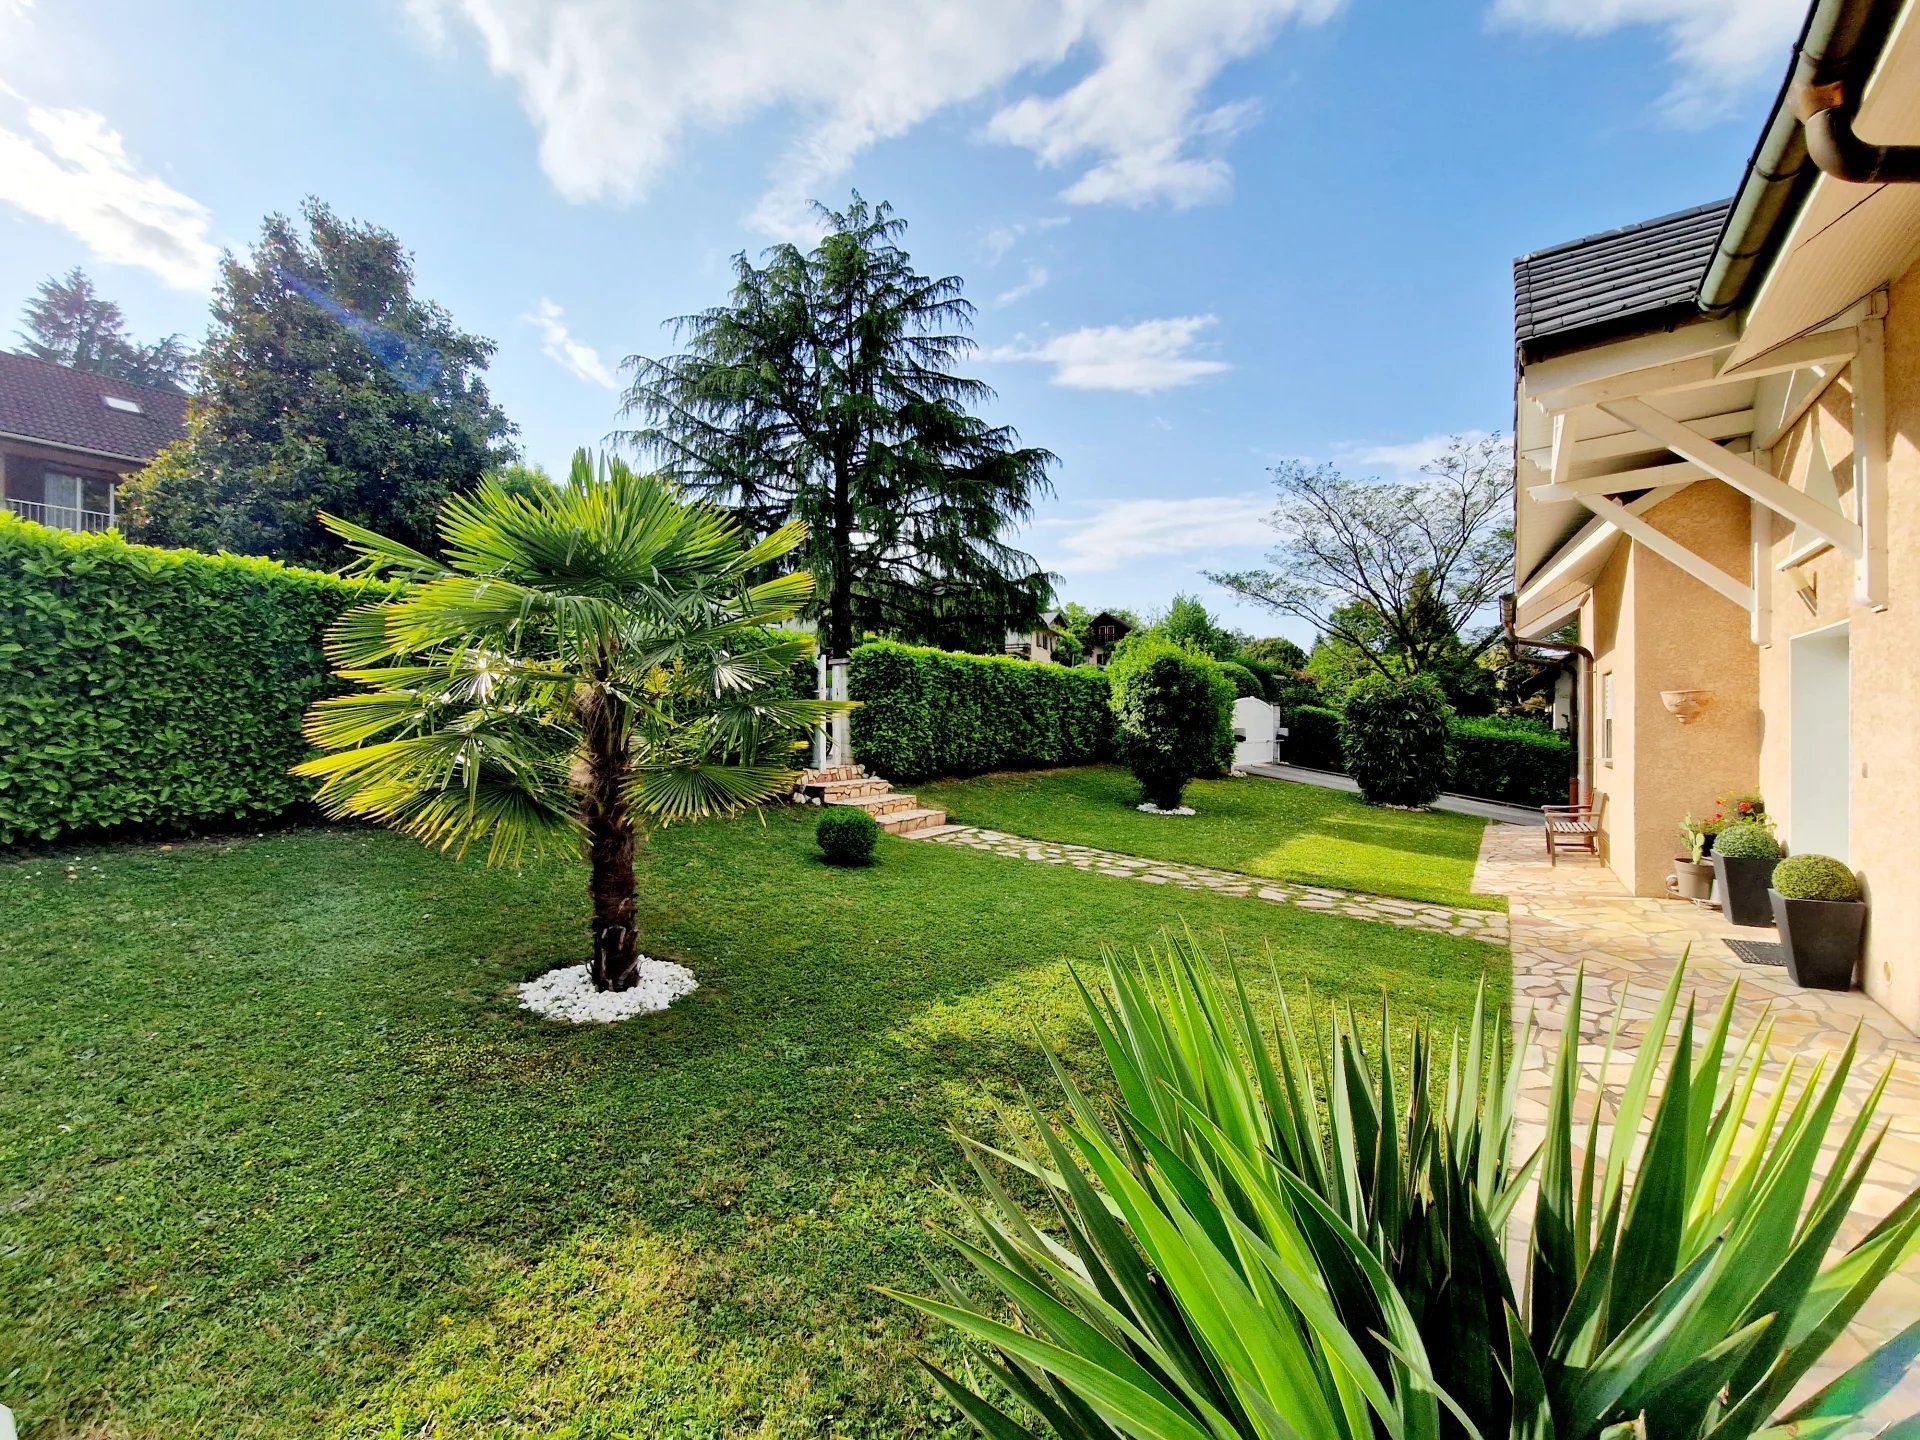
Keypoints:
pixel 1742 474
pixel 1615 482
pixel 1593 537
pixel 1870 448
pixel 1824 348
pixel 1566 426
pixel 1803 391
pixel 1760 553
pixel 1670 550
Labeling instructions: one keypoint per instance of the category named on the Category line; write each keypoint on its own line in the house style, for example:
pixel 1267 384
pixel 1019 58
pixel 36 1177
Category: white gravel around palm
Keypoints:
pixel 568 994
pixel 1152 809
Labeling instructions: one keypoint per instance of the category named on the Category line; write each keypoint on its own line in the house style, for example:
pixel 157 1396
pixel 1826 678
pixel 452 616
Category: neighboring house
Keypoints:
pixel 1718 460
pixel 1037 644
pixel 1104 632
pixel 69 437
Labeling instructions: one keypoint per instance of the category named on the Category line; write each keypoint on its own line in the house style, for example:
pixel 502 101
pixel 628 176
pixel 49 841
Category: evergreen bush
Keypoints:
pixel 1173 716
pixel 1746 840
pixel 1394 733
pixel 1313 738
pixel 846 835
pixel 1246 684
pixel 1512 760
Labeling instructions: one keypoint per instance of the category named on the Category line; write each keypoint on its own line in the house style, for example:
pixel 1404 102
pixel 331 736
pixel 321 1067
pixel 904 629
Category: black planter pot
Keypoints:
pixel 1693 881
pixel 1743 889
pixel 1822 939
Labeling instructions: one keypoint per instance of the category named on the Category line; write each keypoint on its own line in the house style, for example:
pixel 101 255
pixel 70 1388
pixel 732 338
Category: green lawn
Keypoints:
pixel 279 1156
pixel 1263 827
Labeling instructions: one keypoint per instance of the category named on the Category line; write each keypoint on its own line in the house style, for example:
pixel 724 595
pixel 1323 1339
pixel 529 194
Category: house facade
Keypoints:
pixel 1717 447
pixel 69 437
pixel 1038 643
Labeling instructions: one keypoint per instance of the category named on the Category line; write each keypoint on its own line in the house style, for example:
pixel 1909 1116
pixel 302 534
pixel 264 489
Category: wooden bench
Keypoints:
pixel 1572 827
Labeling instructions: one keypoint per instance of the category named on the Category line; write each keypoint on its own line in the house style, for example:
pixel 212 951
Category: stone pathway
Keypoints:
pixel 1487 925
pixel 1560 918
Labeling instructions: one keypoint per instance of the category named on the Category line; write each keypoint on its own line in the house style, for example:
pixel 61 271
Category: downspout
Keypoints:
pixel 1582 692
pixel 1836 50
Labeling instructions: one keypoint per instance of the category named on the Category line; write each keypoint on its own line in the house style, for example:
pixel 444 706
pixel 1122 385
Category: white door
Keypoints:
pixel 1253 732
pixel 1822 764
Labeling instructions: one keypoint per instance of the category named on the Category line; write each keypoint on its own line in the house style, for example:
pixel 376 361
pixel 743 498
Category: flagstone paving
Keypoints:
pixel 1578 914
pixel 1487 925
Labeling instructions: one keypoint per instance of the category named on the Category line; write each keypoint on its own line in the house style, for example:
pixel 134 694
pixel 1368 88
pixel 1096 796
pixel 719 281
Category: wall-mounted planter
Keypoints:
pixel 1744 888
pixel 1822 939
pixel 1686 706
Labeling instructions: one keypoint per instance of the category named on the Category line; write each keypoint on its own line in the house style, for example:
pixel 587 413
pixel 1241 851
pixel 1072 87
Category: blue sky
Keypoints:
pixel 1204 235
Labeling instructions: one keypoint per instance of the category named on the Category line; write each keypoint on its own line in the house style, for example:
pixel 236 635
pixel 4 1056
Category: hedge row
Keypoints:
pixel 1494 759
pixel 1504 761
pixel 154 688
pixel 926 712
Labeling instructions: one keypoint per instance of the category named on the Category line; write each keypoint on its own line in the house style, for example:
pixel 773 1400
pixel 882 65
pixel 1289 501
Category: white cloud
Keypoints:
pixel 1717 47
pixel 1002 238
pixel 615 87
pixel 1152 355
pixel 71 169
pixel 1132 530
pixel 1036 279
pixel 1406 455
pixel 576 357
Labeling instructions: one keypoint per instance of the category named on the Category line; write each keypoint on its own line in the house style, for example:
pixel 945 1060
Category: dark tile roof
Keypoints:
pixel 58 406
pixel 1618 281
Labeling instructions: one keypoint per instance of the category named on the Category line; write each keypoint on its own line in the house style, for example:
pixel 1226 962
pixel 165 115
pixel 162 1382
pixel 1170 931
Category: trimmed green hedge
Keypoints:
pixel 925 712
pixel 1514 761
pixel 1313 738
pixel 152 688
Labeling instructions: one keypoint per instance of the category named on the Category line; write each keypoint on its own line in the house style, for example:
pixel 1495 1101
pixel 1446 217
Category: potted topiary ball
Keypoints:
pixel 846 835
pixel 1817 905
pixel 1744 855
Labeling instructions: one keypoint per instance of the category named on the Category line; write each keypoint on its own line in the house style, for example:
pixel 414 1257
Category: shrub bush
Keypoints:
pixel 1246 684
pixel 846 835
pixel 152 688
pixel 1745 840
pixel 1515 761
pixel 1814 877
pixel 925 712
pixel 1173 716
pixel 1394 736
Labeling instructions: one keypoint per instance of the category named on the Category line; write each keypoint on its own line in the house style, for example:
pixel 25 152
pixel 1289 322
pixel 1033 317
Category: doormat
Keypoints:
pixel 1759 952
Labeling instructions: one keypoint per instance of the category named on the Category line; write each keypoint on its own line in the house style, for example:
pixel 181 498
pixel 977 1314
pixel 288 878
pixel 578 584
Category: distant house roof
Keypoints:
pixel 1637 278
pixel 78 410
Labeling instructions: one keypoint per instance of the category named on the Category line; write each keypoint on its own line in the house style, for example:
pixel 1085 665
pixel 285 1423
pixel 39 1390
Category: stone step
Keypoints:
pixel 846 789
pixel 832 773
pixel 889 803
pixel 912 822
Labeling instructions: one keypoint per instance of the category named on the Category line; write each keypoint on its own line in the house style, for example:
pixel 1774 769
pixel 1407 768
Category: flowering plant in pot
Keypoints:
pixel 1743 861
pixel 1693 872
pixel 1817 905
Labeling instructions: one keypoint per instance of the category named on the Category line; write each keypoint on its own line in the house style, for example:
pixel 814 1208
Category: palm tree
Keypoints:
pixel 584 661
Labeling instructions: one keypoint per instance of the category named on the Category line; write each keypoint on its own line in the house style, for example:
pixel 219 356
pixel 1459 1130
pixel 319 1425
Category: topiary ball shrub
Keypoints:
pixel 1173 716
pixel 1393 735
pixel 1744 840
pixel 1813 877
pixel 846 834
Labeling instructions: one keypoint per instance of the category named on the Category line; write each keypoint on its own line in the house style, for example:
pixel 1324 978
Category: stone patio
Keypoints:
pixel 1560 918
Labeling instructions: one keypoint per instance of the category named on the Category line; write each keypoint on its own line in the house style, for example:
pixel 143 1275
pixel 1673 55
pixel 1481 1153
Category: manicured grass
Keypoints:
pixel 1263 827
pixel 279 1156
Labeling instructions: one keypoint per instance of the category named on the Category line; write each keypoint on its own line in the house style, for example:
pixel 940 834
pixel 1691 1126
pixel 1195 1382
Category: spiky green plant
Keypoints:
pixel 1266 1236
pixel 585 660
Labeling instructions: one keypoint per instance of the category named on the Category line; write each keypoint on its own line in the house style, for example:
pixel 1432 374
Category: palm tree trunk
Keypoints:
pixel 609 845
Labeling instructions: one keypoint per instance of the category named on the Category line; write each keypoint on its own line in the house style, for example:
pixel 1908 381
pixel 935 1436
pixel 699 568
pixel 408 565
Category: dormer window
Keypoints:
pixel 115 402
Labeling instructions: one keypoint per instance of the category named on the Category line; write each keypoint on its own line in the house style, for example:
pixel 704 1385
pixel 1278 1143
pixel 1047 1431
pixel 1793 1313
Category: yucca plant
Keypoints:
pixel 585 660
pixel 1266 1235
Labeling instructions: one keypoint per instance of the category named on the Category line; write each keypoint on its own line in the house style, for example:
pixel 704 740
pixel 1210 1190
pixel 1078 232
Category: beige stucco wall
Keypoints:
pixel 1657 628
pixel 1884 692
